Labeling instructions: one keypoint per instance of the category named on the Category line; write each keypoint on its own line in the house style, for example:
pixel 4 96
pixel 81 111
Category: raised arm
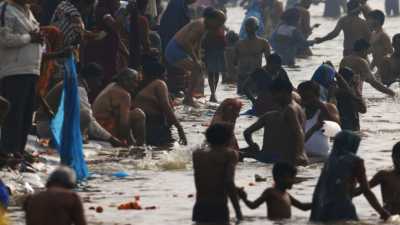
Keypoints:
pixel 300 205
pixel 333 34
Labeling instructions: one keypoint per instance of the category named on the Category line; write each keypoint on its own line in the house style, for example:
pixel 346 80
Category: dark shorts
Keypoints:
pixel 211 213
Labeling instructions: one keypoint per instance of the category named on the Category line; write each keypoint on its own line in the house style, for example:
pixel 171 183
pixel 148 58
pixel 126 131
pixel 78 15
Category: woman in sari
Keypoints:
pixel 333 195
pixel 228 112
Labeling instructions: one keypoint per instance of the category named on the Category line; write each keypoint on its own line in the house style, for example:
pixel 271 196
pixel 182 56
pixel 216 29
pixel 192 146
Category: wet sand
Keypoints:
pixel 164 179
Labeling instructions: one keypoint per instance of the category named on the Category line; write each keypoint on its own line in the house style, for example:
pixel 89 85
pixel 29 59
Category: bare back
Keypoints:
pixel 191 35
pixel 278 204
pixel 354 28
pixel 381 47
pixel 390 188
pixel 108 102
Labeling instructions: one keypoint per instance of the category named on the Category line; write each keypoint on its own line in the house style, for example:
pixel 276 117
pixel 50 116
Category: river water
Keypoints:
pixel 165 180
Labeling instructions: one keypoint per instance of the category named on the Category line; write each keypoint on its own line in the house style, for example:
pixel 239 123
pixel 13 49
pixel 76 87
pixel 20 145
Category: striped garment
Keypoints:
pixel 69 20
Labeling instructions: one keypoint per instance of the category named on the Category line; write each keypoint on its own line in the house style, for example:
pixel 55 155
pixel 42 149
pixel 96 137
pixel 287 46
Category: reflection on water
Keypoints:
pixel 164 179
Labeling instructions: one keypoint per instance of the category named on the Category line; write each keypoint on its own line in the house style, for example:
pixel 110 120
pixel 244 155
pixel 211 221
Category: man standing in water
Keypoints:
pixel 353 27
pixel 214 176
pixel 183 51
pixel 283 130
pixel 304 25
pixel 359 65
pixel 389 71
pixel 380 40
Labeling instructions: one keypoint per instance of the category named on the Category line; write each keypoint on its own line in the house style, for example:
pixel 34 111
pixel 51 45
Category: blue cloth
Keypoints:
pixel 174 18
pixel 66 124
pixel 332 200
pixel 324 75
pixel 4 196
pixel 255 11
pixel 174 53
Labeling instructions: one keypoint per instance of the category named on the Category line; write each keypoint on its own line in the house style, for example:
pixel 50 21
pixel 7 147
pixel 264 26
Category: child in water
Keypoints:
pixel 278 200
pixel 389 180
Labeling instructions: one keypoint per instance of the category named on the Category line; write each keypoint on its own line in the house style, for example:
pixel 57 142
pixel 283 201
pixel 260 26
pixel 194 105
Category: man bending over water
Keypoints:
pixel 214 176
pixel 183 51
pixel 114 109
pixel 58 204
pixel 283 130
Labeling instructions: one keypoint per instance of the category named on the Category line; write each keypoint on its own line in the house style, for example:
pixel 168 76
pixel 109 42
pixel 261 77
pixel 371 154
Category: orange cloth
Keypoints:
pixel 54 41
pixel 227 112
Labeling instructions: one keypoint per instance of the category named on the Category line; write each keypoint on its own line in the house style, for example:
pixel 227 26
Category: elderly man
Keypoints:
pixel 114 109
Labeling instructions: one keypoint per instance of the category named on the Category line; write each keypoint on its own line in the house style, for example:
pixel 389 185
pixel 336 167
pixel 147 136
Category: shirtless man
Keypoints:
pixel 390 183
pixel 249 52
pixel 381 46
pixel 359 65
pixel 214 176
pixel 114 109
pixel 304 25
pixel 183 51
pixel 353 27
pixel 389 71
pixel 58 204
pixel 283 130
pixel 277 199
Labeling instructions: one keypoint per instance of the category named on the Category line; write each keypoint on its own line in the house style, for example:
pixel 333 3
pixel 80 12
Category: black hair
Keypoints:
pixel 377 15
pixel 232 37
pixel 219 134
pixel 309 86
pixel 361 45
pixel 152 70
pixel 352 5
pixel 92 70
pixel 212 13
pixel 347 73
pixel 281 170
pixel 274 59
pixel 280 85
pixel 396 37
pixel 62 177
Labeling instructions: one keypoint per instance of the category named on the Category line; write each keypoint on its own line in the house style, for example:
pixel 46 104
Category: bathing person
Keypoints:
pixel 354 28
pixel 249 53
pixel 316 144
pixel 324 76
pixel 332 199
pixel 381 45
pixel 183 50
pixel 90 77
pixel 228 112
pixel 277 199
pixel 389 71
pixel 304 25
pixel 357 62
pixel 349 100
pixel 214 176
pixel 390 183
pixel 287 39
pixel 58 204
pixel 114 109
pixel 283 130
pixel 153 99
pixel 263 79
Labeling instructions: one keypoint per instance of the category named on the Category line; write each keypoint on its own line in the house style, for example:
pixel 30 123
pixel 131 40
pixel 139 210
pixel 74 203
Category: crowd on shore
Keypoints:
pixel 113 71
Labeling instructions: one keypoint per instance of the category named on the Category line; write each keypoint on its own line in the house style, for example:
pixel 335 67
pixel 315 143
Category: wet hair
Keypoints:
pixel 396 156
pixel 291 16
pixel 152 69
pixel 92 70
pixel 213 14
pixel 361 45
pixel 62 177
pixel 396 38
pixel 281 170
pixel 281 85
pixel 252 21
pixel 377 15
pixel 309 86
pixel 219 134
pixel 124 74
pixel 353 5
pixel 274 59
pixel 347 73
